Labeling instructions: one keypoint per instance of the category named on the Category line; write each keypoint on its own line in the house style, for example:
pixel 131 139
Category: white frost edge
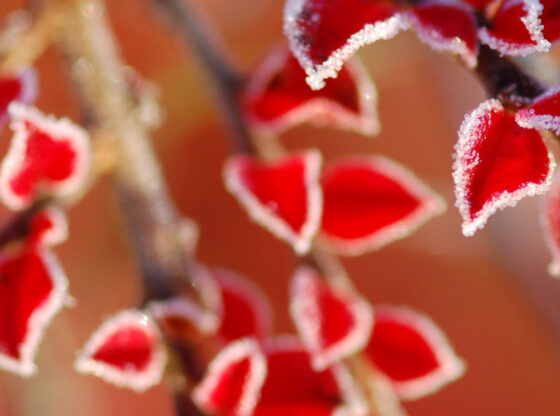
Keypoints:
pixel 137 381
pixel 39 319
pixel 234 352
pixel 62 129
pixel 252 294
pixel 319 111
pixel 306 315
pixel 301 242
pixel 437 42
pixel 205 322
pixel 462 172
pixel 58 232
pixel 450 368
pixel 316 74
pixel 29 88
pixel 431 205
pixel 532 22
pixel 527 118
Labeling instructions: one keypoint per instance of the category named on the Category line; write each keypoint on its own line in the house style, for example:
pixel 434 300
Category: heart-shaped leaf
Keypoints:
pixel 125 351
pixel 333 322
pixel 276 97
pixel 447 26
pixel 46 157
pixel 33 289
pixel 323 34
pixel 497 163
pixel 372 201
pixel 411 350
pixel 283 196
pixel 515 29
pixel 233 381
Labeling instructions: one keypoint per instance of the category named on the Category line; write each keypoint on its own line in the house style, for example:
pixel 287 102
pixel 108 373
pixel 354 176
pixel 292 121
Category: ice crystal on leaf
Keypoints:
pixel 284 196
pixel 372 201
pixel 276 97
pixel 46 157
pixel 497 163
pixel 126 351
pixel 412 352
pixel 333 322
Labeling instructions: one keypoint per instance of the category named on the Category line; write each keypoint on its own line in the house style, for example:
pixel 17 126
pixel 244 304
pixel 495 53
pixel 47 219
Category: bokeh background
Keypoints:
pixel 490 293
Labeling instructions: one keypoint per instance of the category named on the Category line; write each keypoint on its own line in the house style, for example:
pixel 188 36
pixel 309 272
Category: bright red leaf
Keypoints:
pixel 33 288
pixel 46 156
pixel 372 201
pixel 410 349
pixel 325 33
pixel 277 97
pixel 333 322
pixel 233 380
pixel 497 163
pixel 125 351
pixel 21 87
pixel 48 227
pixel 550 19
pixel 543 113
pixel 516 29
pixel 245 310
pixel 283 196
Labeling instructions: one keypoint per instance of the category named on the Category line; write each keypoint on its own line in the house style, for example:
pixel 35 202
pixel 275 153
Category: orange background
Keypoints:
pixel 490 293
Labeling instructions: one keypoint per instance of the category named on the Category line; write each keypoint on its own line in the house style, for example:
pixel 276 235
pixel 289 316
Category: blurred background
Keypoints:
pixel 490 293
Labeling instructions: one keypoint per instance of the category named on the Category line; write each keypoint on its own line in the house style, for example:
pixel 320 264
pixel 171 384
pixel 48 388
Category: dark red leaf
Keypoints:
pixel 516 29
pixel 126 351
pixel 276 97
pixel 233 381
pixel 283 196
pixel 412 352
pixel 21 88
pixel 544 113
pixel 245 309
pixel 33 288
pixel 497 163
pixel 333 323
pixel 371 201
pixel 550 19
pixel 447 26
pixel 324 33
pixel 46 156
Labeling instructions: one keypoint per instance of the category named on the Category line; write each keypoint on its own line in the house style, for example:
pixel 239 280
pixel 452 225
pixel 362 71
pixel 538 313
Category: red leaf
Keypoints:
pixel 448 26
pixel 551 19
pixel 550 217
pixel 332 323
pixel 182 319
pixel 21 87
pixel 233 380
pixel 33 288
pixel 46 156
pixel 283 196
pixel 48 227
pixel 370 202
pixel 277 97
pixel 125 351
pixel 497 163
pixel 412 352
pixel 324 33
pixel 245 309
pixel 516 29
pixel 544 113
pixel 293 387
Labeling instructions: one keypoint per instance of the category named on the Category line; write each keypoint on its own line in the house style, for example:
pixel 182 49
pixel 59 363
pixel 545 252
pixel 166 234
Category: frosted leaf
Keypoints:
pixel 126 351
pixel 412 352
pixel 543 113
pixel 370 202
pixel 283 196
pixel 48 227
pixel 333 323
pixel 46 157
pixel 497 163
